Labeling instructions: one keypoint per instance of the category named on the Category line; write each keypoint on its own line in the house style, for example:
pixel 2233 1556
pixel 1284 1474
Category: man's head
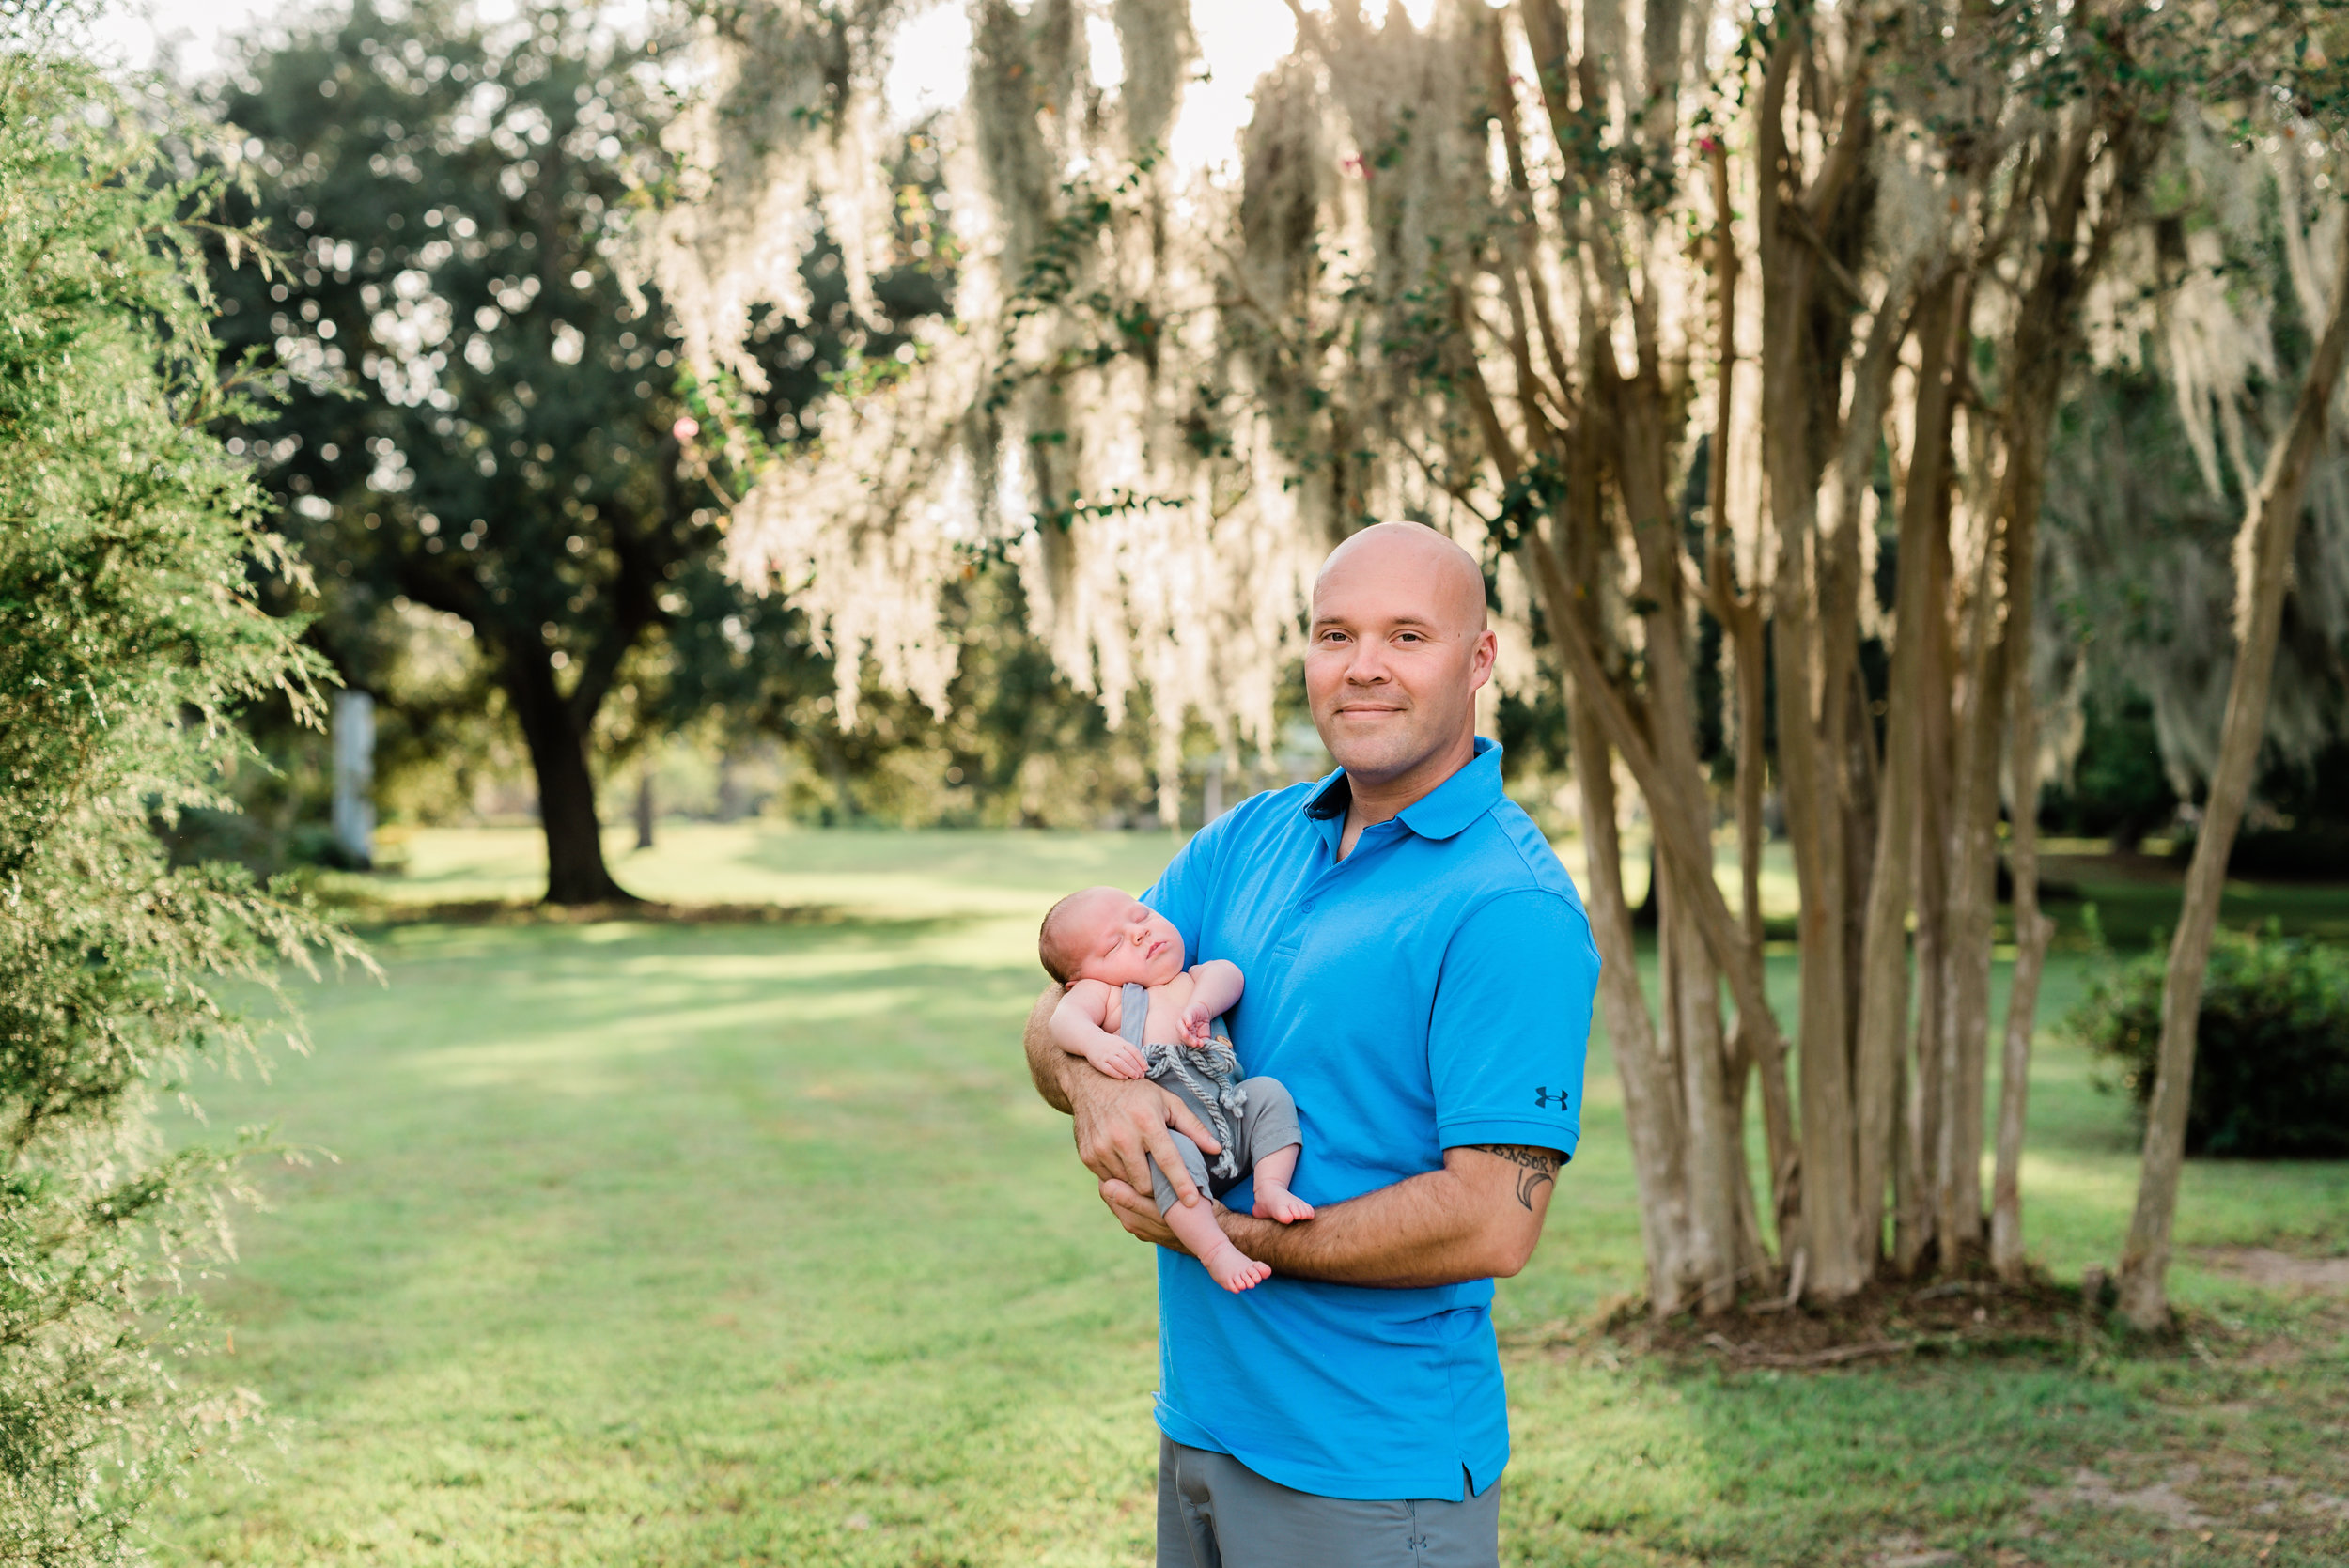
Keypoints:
pixel 1102 934
pixel 1398 648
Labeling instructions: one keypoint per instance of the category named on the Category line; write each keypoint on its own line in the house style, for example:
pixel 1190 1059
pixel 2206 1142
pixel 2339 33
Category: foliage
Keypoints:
pixel 479 419
pixel 2115 788
pixel 2142 511
pixel 1013 744
pixel 2271 1067
pixel 488 446
pixel 129 632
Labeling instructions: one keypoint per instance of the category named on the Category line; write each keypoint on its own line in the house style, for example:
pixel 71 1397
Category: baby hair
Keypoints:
pixel 1051 950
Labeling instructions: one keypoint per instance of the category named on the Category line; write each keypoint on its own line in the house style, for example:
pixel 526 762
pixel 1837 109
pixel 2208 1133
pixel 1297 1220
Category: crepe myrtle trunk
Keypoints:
pixel 2270 525
pixel 556 734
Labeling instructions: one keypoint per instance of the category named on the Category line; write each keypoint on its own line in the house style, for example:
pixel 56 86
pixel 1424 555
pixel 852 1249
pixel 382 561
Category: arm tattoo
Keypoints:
pixel 1534 1167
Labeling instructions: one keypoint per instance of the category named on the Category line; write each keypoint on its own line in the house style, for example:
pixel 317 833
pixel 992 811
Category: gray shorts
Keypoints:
pixel 1265 1124
pixel 1214 1511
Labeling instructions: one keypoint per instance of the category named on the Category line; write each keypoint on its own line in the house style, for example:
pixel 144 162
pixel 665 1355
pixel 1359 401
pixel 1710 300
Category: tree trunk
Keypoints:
pixel 1884 1008
pixel 1652 1114
pixel 567 791
pixel 2270 525
pixel 1926 531
pixel 2033 930
pixel 1971 845
pixel 644 808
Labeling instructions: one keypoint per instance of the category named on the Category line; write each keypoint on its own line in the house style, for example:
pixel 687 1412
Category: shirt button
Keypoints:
pixel 1306 908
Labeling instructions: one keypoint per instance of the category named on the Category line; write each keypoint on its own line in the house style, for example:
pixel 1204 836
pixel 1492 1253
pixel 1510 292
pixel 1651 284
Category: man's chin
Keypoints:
pixel 1375 761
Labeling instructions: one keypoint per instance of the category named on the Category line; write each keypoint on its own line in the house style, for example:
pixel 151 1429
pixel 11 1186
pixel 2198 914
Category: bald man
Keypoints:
pixel 1420 972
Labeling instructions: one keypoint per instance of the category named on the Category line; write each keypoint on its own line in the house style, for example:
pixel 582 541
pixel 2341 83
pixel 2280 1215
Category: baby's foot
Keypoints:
pixel 1280 1204
pixel 1236 1271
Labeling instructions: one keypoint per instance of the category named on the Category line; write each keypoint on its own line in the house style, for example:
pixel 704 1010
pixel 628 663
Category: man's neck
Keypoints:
pixel 1373 801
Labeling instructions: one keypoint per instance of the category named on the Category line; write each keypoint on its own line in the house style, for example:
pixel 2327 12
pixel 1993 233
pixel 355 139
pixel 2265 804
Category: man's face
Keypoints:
pixel 1398 651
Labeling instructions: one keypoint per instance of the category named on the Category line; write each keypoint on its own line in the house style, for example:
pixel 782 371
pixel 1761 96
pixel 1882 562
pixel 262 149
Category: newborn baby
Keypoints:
pixel 1133 1011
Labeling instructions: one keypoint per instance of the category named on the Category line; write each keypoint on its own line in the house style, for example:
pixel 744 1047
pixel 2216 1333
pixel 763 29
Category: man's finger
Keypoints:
pixel 1140 1217
pixel 1179 1117
pixel 1169 1155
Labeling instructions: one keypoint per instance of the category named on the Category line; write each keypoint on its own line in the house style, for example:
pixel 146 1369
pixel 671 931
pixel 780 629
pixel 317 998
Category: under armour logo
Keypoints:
pixel 1542 1097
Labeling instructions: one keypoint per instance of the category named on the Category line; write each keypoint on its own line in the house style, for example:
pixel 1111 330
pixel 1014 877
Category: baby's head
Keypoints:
pixel 1102 934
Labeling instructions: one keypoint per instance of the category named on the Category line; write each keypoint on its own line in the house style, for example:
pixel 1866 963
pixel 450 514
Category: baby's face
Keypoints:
pixel 1117 938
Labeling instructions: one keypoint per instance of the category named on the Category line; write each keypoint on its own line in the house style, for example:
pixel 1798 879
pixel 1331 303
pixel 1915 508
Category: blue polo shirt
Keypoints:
pixel 1432 989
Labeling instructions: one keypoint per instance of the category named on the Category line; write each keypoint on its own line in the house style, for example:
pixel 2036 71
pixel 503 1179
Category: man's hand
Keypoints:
pixel 1122 1126
pixel 1139 1215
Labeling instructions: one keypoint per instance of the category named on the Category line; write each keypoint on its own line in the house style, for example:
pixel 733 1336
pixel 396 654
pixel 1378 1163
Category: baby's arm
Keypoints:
pixel 1215 985
pixel 1077 1030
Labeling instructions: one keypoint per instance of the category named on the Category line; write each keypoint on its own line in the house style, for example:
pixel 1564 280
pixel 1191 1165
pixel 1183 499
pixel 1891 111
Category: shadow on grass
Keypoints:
pixel 368 914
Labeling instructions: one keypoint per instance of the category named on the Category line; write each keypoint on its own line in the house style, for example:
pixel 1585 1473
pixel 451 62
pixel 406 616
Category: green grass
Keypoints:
pixel 713 1244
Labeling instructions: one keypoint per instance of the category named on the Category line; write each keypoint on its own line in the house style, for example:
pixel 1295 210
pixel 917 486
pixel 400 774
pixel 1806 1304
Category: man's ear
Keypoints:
pixel 1481 661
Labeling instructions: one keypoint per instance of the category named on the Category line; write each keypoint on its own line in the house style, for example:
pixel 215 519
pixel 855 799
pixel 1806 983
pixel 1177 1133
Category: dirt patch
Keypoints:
pixel 2283 1271
pixel 2161 1501
pixel 1978 1315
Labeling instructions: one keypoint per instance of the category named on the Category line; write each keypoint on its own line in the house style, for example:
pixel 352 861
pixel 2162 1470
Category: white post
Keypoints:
pixel 354 775
pixel 1215 787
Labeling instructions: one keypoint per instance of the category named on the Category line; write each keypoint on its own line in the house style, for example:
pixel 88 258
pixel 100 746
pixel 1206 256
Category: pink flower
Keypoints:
pixel 685 427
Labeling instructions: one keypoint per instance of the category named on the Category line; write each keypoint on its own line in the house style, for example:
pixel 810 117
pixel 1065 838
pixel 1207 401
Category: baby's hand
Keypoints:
pixel 1114 1057
pixel 1195 1020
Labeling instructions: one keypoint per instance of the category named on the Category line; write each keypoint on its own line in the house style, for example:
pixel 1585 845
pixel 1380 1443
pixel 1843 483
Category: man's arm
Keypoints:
pixel 1119 1123
pixel 1476 1218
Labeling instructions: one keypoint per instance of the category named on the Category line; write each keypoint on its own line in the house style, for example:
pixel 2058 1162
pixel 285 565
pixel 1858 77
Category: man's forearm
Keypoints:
pixel 1411 1234
pixel 1475 1218
pixel 1047 1061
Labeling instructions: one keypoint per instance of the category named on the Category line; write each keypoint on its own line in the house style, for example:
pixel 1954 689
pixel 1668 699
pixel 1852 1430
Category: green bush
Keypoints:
pixel 2271 1063
pixel 130 634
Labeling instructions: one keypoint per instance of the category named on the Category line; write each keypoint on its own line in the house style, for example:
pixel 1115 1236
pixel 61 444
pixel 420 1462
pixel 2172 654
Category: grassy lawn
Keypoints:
pixel 748 1243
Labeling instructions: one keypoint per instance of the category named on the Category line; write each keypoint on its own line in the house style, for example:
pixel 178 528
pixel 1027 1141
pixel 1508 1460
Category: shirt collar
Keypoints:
pixel 1443 812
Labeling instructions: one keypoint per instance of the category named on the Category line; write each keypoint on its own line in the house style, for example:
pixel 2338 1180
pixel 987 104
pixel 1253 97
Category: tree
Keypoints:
pixel 479 416
pixel 1500 273
pixel 131 632
pixel 2264 561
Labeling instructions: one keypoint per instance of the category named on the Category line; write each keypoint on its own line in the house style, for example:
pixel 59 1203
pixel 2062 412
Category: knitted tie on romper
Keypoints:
pixel 1207 1071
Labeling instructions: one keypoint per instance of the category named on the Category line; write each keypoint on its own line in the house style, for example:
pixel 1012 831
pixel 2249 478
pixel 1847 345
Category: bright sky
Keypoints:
pixel 1239 39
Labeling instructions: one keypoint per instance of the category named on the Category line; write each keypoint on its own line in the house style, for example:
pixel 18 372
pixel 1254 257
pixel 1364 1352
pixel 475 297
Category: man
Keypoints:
pixel 1420 972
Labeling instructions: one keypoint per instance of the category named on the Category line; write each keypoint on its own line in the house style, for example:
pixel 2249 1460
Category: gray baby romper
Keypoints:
pixel 1252 1118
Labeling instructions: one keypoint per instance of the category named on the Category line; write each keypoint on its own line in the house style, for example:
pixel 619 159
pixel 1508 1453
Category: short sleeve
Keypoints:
pixel 1511 1023
pixel 1181 892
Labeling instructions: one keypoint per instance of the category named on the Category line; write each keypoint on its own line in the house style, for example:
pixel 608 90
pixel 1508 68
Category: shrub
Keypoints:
pixel 130 634
pixel 2271 1063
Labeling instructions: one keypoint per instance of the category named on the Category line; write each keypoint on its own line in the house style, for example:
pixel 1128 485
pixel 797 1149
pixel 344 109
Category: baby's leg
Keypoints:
pixel 1274 1141
pixel 1195 1226
pixel 1274 1200
pixel 1232 1269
